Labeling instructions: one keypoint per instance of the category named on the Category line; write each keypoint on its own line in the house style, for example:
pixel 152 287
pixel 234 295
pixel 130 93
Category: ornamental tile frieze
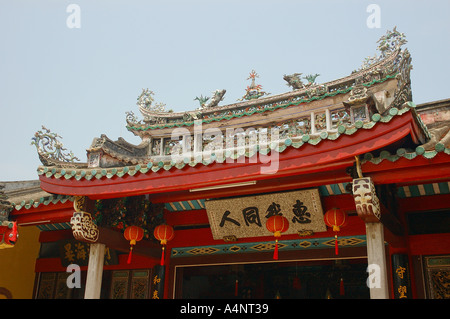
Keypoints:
pixel 258 247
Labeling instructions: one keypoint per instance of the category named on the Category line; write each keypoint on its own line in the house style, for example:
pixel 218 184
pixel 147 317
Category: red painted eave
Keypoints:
pixel 50 214
pixel 404 171
pixel 307 160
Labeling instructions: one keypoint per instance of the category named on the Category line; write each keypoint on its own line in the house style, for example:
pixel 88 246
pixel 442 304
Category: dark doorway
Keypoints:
pixel 287 280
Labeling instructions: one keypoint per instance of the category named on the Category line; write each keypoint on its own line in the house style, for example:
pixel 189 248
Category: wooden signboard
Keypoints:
pixel 246 216
pixel 76 252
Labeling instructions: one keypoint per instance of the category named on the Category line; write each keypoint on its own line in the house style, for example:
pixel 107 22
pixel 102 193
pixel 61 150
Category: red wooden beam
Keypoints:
pixel 432 244
pixel 423 203
pixel 51 236
pixel 138 262
pixel 263 186
pixel 190 217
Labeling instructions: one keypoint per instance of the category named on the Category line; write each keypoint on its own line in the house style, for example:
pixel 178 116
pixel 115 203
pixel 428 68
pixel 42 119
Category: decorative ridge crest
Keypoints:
pixel 388 44
pixel 269 103
pixel 157 164
pixel 145 100
pixel 50 149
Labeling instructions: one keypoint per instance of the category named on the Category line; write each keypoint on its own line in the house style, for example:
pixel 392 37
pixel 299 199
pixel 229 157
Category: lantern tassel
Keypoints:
pixel 275 252
pixel 162 257
pixel 236 288
pixel 336 249
pixel 129 255
pixel 341 288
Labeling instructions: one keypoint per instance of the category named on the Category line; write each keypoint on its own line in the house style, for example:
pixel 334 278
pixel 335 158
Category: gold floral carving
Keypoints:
pixel 83 227
pixel 441 284
pixel 78 203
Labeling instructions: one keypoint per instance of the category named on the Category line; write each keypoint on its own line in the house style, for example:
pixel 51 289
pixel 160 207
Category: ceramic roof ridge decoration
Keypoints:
pixel 217 97
pixel 266 104
pixel 376 94
pixel 254 91
pixel 154 165
pixel 295 80
pixel 373 68
pixel 51 151
pixel 121 149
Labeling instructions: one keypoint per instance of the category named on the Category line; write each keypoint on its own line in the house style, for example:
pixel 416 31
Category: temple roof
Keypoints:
pixel 28 194
pixel 142 164
pixel 368 75
pixel 368 114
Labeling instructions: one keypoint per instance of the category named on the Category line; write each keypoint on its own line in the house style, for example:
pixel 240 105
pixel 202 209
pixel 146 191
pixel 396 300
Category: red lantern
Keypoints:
pixel 163 233
pixel 277 224
pixel 335 218
pixel 133 234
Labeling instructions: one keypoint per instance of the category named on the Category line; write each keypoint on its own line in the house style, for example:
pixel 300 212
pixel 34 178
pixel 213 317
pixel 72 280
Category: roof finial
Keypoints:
pixel 50 149
pixel 387 44
pixel 253 91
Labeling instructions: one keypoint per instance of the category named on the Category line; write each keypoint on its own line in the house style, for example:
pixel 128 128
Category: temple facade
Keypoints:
pixel 330 190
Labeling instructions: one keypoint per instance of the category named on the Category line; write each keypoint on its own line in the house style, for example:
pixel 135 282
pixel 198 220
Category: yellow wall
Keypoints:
pixel 17 264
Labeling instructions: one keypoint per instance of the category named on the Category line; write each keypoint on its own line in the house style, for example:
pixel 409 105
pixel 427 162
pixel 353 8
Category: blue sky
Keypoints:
pixel 79 82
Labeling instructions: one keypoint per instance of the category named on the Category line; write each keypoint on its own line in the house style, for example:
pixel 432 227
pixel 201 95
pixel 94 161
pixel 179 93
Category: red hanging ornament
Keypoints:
pixel 163 233
pixel 341 287
pixel 335 218
pixel 133 234
pixel 277 224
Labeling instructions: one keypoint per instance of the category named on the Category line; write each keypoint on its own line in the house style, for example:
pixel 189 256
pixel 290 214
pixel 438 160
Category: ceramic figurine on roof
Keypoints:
pixel 217 97
pixel 144 101
pixel 294 80
pixel 387 45
pixel 202 100
pixel 390 42
pixel 253 91
pixel 311 79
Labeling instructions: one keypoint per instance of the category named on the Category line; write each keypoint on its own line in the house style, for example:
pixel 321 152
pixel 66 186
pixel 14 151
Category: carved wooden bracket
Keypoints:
pixel 83 227
pixel 366 200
